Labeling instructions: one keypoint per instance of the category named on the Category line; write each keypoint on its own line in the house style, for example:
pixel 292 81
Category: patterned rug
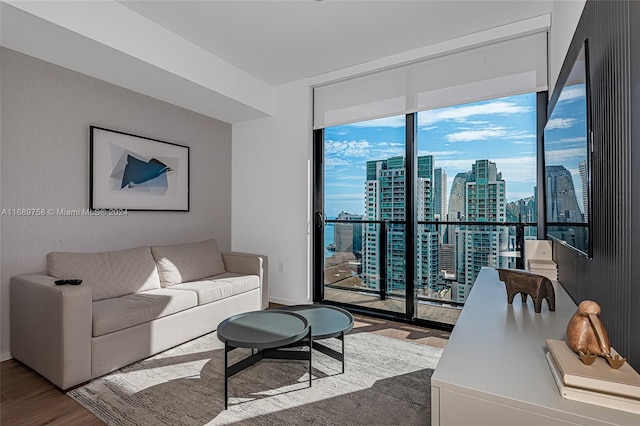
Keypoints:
pixel 386 382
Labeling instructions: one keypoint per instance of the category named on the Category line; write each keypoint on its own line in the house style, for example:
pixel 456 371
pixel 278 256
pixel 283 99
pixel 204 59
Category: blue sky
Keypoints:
pixel 501 130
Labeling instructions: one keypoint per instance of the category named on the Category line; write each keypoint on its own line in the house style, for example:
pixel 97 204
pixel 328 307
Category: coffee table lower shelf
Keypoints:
pixel 268 332
pixel 272 331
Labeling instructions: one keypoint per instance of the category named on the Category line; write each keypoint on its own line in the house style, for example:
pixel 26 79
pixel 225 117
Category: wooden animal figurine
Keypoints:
pixel 587 336
pixel 527 283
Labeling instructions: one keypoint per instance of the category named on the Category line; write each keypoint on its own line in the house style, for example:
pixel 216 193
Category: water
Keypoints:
pixel 328 239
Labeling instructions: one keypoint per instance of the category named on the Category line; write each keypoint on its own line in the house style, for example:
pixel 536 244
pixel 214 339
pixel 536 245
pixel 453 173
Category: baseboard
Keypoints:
pixel 4 356
pixel 287 302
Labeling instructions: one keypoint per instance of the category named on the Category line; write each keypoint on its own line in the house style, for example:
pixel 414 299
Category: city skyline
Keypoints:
pixel 482 197
pixel 500 130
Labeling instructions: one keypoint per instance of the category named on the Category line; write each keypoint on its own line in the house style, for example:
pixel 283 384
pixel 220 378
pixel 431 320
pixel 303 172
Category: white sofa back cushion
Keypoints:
pixel 182 263
pixel 109 274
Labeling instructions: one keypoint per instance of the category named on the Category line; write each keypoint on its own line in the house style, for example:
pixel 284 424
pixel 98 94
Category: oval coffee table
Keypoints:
pixel 267 331
pixel 325 322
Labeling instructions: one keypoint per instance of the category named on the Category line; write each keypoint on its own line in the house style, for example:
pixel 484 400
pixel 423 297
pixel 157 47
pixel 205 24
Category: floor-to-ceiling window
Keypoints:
pixel 474 197
pixel 423 174
pixel 364 202
pixel 482 176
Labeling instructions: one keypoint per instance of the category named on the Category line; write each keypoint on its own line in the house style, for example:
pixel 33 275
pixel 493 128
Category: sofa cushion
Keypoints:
pixel 182 263
pixel 220 286
pixel 127 311
pixel 109 274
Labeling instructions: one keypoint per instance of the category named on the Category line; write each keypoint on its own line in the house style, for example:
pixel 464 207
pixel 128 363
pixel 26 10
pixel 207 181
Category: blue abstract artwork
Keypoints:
pixel 138 173
pixel 134 172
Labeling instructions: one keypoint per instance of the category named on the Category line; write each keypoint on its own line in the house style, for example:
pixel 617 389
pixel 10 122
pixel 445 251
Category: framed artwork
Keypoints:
pixel 137 173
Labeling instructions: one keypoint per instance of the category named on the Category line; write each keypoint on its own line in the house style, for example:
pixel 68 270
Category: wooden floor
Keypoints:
pixel 29 399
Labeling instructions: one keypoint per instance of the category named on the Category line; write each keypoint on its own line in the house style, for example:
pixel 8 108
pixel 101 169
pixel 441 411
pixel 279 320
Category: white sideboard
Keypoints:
pixel 493 370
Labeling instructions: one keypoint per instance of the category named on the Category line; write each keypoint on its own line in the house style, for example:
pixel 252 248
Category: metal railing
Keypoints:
pixel 384 225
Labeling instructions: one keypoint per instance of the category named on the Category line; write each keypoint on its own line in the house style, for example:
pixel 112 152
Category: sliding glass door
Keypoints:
pixel 363 255
pixel 409 208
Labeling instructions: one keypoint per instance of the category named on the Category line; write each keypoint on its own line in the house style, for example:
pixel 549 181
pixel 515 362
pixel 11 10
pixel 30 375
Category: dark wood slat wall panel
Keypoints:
pixel 634 33
pixel 609 278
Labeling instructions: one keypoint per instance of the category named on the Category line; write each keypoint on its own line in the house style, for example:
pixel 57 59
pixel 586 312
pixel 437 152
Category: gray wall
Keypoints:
pixel 46 112
pixel 612 276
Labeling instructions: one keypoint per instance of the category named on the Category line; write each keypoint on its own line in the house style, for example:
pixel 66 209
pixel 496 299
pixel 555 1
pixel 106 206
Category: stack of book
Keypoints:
pixel 544 267
pixel 597 383
pixel 538 258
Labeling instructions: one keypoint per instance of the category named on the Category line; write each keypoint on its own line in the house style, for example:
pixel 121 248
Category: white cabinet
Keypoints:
pixel 494 372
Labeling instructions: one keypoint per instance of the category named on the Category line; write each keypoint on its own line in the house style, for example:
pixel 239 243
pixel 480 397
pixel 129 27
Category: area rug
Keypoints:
pixel 386 382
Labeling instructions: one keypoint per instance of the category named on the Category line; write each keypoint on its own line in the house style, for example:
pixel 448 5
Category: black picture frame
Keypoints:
pixel 137 173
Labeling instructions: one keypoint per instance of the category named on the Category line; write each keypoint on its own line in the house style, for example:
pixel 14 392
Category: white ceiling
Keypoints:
pixel 224 58
pixel 284 41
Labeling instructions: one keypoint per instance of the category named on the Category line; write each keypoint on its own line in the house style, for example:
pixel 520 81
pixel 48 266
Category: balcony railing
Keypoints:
pixel 373 259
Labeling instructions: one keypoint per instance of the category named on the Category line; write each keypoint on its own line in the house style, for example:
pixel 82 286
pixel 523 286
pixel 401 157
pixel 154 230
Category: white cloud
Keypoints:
pixel 334 162
pixel 559 156
pixel 577 139
pixel 523 135
pixel 517 169
pixel 567 141
pixel 572 92
pixel 346 148
pixel 560 123
pixel 477 135
pixel 440 154
pixel 454 166
pixel 462 113
pixel 343 153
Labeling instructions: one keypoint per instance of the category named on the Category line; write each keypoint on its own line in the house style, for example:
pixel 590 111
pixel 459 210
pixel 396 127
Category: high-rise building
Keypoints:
pixel 455 212
pixel 427 237
pixel 562 203
pixel 478 245
pixel 347 237
pixel 439 194
pixel 563 207
pixel 522 210
pixel 440 199
pixel 447 258
pixel 385 200
pixel 584 178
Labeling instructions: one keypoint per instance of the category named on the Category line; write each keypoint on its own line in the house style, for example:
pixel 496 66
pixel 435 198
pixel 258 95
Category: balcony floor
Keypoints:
pixel 436 313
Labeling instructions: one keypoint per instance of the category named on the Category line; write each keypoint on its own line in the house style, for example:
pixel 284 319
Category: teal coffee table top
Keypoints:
pixel 263 329
pixel 325 321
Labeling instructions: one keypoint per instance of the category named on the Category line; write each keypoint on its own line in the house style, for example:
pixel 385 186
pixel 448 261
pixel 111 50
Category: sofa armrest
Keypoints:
pixel 51 328
pixel 251 264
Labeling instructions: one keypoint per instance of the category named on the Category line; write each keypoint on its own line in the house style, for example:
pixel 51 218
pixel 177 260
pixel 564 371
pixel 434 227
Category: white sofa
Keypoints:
pixel 131 304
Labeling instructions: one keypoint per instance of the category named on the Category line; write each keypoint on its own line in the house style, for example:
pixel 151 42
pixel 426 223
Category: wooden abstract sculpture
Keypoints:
pixel 587 337
pixel 527 283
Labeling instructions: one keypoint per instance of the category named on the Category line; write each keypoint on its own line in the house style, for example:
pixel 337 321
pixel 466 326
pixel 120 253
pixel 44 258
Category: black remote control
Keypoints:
pixel 69 281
